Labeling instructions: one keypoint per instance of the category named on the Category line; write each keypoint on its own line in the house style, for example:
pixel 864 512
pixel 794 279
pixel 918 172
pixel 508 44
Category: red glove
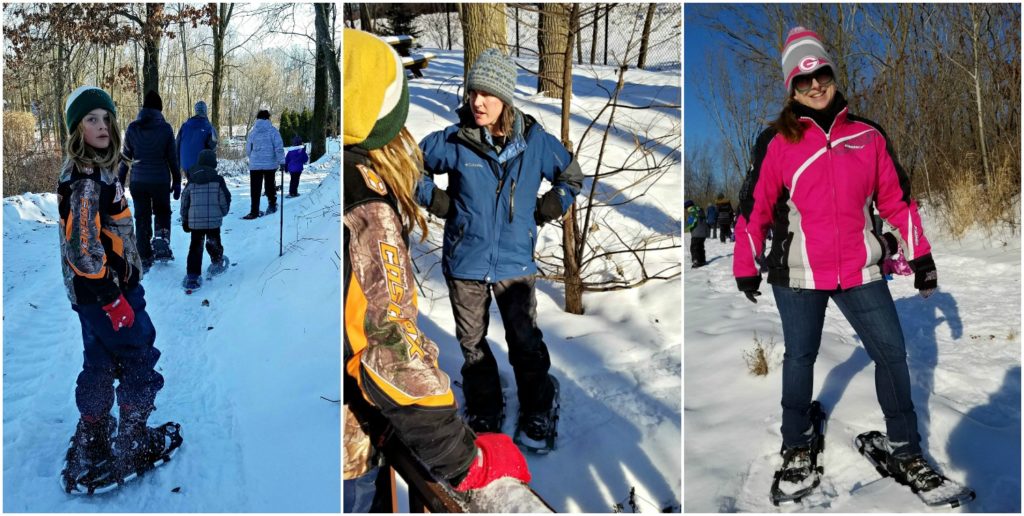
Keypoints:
pixel 120 313
pixel 498 457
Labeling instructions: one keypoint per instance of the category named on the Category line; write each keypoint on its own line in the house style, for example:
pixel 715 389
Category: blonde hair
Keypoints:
pixel 85 156
pixel 399 163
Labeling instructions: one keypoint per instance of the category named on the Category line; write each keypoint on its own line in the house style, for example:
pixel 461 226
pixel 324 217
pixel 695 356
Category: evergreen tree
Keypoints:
pixel 400 18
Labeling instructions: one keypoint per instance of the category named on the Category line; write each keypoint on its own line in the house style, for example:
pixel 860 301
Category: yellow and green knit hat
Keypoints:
pixel 376 91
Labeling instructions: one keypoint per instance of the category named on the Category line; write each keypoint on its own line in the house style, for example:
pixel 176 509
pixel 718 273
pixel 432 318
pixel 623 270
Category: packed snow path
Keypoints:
pixel 245 360
pixel 963 345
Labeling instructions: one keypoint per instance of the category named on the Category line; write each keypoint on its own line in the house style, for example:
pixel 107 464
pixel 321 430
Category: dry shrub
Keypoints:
pixel 757 357
pixel 968 202
pixel 27 167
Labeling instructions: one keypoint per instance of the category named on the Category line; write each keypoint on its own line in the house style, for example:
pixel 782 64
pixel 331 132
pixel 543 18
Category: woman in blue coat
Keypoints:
pixel 496 157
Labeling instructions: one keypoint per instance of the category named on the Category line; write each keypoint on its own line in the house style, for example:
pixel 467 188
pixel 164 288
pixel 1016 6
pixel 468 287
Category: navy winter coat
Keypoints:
pixel 196 134
pixel 149 144
pixel 296 158
pixel 491 206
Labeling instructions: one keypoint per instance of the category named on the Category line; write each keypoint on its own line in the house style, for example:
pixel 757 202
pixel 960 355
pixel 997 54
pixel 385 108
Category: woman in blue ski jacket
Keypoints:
pixel 496 158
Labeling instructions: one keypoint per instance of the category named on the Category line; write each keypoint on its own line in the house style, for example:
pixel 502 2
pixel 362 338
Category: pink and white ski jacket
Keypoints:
pixel 817 196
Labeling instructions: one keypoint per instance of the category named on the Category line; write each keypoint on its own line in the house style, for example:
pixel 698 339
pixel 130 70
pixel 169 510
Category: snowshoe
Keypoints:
pixel 801 468
pixel 486 423
pixel 270 209
pixel 147 263
pixel 252 216
pixel 88 456
pixel 914 472
pixel 191 283
pixel 536 432
pixel 133 457
pixel 162 250
pixel 216 269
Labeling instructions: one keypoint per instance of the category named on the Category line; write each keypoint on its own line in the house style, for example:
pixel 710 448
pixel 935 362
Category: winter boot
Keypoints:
pixel 89 452
pixel 218 268
pixel 192 282
pixel 147 263
pixel 162 246
pixel 914 471
pixel 485 423
pixel 796 465
pixel 537 426
pixel 251 216
pixel 137 447
pixel 271 209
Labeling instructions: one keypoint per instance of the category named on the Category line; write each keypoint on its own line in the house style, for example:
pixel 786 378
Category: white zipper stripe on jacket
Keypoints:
pixel 866 269
pixel 808 270
pixel 753 250
pixel 911 241
pixel 818 154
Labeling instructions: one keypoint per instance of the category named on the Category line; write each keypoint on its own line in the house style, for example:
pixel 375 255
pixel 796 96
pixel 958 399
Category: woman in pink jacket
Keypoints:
pixel 815 175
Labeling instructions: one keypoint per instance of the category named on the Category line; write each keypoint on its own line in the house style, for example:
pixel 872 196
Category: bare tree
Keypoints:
pixel 483 27
pixel 553 41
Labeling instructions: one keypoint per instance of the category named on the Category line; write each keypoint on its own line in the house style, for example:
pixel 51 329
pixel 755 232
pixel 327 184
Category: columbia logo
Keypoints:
pixel 473 165
pixel 848 146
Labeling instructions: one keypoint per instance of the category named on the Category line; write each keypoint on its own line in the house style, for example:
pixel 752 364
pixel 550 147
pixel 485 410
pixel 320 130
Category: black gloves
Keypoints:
pixel 184 226
pixel 440 204
pixel 549 207
pixel 749 285
pixel 926 278
pixel 177 190
pixel 890 245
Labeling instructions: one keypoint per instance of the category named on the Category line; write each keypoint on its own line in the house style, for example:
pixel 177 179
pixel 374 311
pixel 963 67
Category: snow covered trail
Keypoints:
pixel 964 351
pixel 245 359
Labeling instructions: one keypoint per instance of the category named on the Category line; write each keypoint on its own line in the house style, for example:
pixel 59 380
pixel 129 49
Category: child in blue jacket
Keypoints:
pixel 295 159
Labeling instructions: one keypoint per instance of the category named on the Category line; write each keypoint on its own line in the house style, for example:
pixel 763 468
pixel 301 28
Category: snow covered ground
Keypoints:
pixel 619 364
pixel 253 377
pixel 964 348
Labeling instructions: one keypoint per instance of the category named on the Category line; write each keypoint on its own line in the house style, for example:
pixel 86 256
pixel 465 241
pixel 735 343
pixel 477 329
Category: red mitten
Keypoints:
pixel 120 313
pixel 497 457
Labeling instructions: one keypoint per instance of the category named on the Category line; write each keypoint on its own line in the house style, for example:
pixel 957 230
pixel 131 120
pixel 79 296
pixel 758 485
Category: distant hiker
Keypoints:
pixel 825 249
pixel 265 151
pixel 712 219
pixel 697 225
pixel 295 159
pixel 726 217
pixel 394 386
pixel 494 156
pixel 103 279
pixel 196 134
pixel 204 203
pixel 149 150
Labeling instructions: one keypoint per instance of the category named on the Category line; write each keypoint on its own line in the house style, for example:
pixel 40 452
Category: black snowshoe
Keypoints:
pixel 536 432
pixel 191 283
pixel 217 268
pixel 914 472
pixel 162 250
pixel 270 209
pixel 801 468
pixel 88 456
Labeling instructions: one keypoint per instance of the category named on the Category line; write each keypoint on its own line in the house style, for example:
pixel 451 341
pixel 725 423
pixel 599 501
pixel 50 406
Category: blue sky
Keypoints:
pixel 697 41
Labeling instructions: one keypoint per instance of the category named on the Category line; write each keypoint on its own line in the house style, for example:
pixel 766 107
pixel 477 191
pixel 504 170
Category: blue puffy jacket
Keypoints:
pixel 149 144
pixel 196 134
pixel 264 146
pixel 296 158
pixel 491 206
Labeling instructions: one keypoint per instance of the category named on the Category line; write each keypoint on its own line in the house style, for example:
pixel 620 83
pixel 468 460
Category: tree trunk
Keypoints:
pixel 333 71
pixel 151 48
pixel 448 23
pixel 555 47
pixel 593 33
pixel 641 61
pixel 365 20
pixel 607 16
pixel 483 27
pixel 184 64
pixel 220 29
pixel 318 143
pixel 976 41
pixel 570 261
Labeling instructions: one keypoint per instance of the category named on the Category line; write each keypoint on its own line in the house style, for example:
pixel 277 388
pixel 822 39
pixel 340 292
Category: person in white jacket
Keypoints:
pixel 265 151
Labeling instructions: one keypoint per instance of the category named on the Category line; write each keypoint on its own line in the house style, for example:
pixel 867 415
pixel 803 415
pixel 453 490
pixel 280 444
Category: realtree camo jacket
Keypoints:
pixel 98 253
pixel 393 363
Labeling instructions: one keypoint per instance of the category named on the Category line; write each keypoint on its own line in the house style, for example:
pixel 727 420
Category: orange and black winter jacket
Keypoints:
pixel 393 364
pixel 99 256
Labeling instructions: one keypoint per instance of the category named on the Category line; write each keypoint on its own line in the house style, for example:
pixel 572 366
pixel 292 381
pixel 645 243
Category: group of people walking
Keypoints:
pixel 104 257
pixel 719 218
pixel 495 159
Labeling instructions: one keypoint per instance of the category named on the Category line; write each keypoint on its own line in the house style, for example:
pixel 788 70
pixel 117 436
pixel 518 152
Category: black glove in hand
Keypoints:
pixel 926 278
pixel 890 245
pixel 549 207
pixel 749 286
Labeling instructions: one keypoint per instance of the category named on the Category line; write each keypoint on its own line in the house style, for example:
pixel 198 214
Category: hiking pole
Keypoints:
pixel 280 234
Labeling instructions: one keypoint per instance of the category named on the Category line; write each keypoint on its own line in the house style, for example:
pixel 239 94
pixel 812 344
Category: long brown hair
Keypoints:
pixel 787 123
pixel 85 156
pixel 399 163
pixel 506 120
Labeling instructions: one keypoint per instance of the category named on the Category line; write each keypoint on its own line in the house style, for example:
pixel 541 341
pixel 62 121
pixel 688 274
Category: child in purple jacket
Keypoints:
pixel 294 160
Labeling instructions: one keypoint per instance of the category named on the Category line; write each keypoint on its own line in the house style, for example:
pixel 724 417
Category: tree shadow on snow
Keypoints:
pixel 986 445
pixel 606 464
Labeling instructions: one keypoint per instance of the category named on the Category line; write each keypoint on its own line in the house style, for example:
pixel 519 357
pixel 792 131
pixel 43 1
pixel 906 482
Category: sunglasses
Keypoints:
pixel 802 83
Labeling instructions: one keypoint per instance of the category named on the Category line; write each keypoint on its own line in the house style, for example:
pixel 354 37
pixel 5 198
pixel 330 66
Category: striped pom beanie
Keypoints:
pixel 802 54
pixel 83 100
pixel 494 73
pixel 376 91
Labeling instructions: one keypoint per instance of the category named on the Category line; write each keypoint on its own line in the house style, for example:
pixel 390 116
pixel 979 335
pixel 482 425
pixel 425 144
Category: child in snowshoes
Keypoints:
pixel 102 275
pixel 697 225
pixel 294 160
pixel 204 203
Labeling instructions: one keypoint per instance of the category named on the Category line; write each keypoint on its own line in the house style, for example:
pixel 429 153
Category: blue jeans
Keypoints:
pixel 870 310
pixel 359 492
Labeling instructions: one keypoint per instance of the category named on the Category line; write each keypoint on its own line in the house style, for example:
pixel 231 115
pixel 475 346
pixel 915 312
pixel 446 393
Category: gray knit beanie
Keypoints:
pixel 803 54
pixel 494 73
pixel 200 108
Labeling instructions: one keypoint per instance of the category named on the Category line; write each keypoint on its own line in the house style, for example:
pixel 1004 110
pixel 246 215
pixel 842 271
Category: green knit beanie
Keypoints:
pixel 82 101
